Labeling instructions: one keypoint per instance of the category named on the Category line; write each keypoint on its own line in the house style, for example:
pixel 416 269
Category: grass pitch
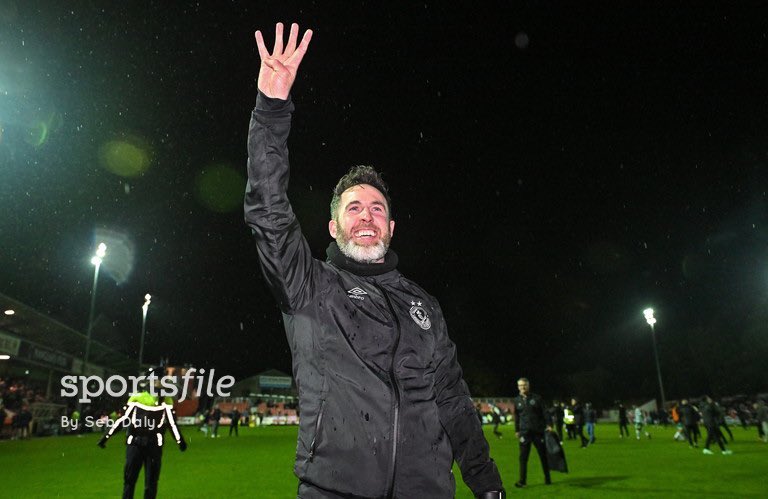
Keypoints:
pixel 259 464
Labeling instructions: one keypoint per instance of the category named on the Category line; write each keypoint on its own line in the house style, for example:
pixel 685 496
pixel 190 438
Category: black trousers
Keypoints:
pixel 728 430
pixel 714 435
pixel 691 434
pixel 580 434
pixel 233 427
pixel 137 456
pixel 623 428
pixel 559 431
pixel 537 439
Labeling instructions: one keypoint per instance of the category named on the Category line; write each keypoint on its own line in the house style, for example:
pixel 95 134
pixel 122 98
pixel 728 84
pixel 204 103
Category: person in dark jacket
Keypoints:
pixel 721 421
pixel 234 421
pixel 384 408
pixel 623 422
pixel 710 415
pixel 590 418
pixel 578 421
pixel 761 420
pixel 146 417
pixel 689 420
pixel 215 421
pixel 530 424
pixel 557 417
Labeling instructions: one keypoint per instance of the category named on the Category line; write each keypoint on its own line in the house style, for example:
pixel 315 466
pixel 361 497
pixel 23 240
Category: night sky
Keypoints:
pixel 554 171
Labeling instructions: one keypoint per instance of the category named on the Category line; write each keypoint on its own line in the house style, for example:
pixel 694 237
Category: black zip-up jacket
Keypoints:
pixel 530 416
pixel 687 415
pixel 384 408
pixel 578 414
pixel 710 414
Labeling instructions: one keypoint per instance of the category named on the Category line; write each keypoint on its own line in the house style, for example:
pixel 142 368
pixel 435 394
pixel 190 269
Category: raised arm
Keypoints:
pixel 284 255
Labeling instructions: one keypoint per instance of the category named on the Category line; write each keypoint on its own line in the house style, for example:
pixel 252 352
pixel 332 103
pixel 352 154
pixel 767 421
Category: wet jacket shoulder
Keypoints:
pixel 384 407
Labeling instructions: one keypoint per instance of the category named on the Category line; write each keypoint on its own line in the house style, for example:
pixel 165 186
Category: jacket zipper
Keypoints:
pixel 396 392
pixel 317 431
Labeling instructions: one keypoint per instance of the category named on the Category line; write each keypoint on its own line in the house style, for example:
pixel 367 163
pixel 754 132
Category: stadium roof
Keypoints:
pixel 40 331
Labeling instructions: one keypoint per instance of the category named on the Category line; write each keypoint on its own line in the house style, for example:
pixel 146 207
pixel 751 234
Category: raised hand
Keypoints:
pixel 278 70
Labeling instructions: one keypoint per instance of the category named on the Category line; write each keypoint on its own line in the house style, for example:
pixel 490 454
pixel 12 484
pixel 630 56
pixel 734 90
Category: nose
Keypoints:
pixel 365 214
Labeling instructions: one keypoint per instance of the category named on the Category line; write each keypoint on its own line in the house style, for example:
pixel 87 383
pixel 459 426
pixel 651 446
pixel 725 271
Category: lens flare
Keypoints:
pixel 129 157
pixel 220 188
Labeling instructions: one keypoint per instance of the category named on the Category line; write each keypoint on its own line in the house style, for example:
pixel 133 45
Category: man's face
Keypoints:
pixel 523 386
pixel 362 227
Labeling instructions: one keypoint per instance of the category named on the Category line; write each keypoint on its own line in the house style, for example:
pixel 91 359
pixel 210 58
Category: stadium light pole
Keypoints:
pixel 651 320
pixel 101 251
pixel 144 310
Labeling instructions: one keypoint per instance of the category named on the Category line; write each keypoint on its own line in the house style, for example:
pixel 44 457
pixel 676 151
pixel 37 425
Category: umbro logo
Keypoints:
pixel 356 293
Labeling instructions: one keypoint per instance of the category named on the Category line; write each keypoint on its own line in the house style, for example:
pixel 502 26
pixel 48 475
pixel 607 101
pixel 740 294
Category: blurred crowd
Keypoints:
pixel 16 397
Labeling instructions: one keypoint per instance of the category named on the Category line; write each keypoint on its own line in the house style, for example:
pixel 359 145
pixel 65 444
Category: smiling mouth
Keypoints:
pixel 365 233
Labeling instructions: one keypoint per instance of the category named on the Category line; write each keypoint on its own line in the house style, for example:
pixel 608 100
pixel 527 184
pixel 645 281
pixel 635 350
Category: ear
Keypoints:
pixel 332 228
pixel 391 228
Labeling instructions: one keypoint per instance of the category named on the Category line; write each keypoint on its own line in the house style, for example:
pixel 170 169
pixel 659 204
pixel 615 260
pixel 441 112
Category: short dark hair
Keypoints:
pixel 359 174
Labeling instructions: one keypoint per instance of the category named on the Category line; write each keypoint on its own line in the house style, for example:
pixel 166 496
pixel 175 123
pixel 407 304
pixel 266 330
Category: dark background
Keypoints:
pixel 555 169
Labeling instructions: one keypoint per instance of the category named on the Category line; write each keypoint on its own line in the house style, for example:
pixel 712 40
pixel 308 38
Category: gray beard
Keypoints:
pixel 362 254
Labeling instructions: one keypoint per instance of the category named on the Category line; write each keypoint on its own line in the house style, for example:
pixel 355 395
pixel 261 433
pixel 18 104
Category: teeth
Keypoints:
pixel 364 233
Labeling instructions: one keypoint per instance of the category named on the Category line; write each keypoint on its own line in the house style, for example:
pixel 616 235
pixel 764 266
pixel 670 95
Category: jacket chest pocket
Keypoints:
pixel 416 354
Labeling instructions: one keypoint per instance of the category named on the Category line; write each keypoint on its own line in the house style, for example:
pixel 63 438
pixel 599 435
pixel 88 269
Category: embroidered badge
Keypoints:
pixel 356 294
pixel 419 316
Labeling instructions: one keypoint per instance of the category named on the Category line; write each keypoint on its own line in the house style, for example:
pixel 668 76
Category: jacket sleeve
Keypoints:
pixel 124 420
pixel 284 254
pixel 171 418
pixel 458 417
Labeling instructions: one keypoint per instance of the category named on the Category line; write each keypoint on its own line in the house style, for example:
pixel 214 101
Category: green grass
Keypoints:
pixel 259 464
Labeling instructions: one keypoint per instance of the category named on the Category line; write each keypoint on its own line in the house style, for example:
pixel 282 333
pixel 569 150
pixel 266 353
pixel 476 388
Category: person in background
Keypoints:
pixel 689 420
pixel 721 421
pixel 496 415
pixel 215 420
pixel 234 421
pixel 590 418
pixel 640 423
pixel 578 421
pixel 623 422
pixel 556 417
pixel 761 420
pixel 146 417
pixel 710 414
pixel 530 425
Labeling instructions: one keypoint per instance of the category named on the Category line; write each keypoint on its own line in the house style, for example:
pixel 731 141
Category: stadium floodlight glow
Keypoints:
pixel 5 357
pixel 144 310
pixel 651 320
pixel 9 312
pixel 101 252
pixel 648 313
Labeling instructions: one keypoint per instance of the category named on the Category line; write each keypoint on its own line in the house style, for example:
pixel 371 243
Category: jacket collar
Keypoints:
pixel 340 260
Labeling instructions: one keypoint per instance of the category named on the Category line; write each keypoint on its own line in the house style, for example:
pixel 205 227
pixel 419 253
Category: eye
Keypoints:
pixel 354 208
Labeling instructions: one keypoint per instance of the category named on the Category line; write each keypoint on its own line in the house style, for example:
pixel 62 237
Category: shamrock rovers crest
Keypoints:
pixel 419 316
